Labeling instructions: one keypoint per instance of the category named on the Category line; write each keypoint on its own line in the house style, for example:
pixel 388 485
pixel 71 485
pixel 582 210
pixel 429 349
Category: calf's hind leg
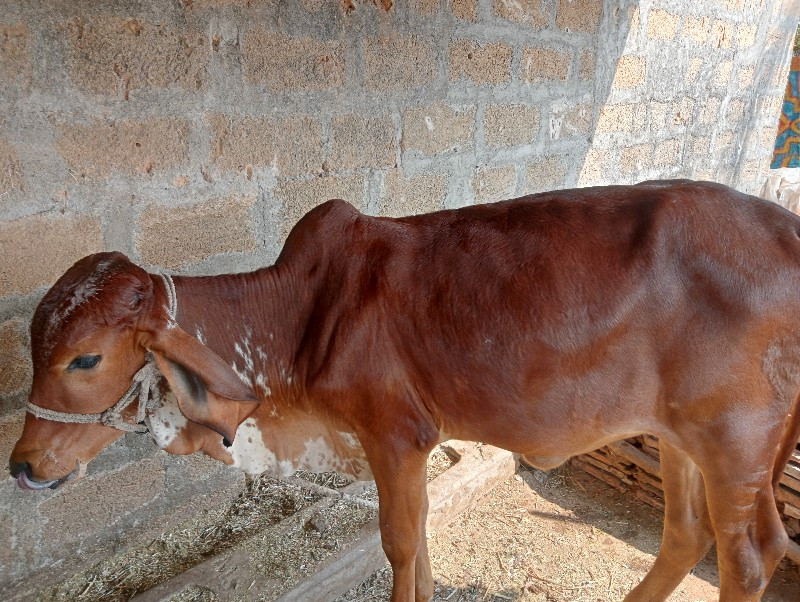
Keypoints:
pixel 687 527
pixel 750 536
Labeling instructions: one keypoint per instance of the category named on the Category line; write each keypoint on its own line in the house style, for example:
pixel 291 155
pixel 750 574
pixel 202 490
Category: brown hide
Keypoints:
pixel 549 326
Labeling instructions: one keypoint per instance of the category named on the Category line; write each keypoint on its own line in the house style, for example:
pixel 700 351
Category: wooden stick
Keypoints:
pixel 629 452
pixel 603 476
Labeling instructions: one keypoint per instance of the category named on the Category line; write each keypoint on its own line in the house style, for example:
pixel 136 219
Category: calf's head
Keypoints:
pixel 90 335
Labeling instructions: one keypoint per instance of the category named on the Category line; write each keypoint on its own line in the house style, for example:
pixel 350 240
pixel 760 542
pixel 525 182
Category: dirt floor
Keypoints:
pixel 562 536
pixel 558 536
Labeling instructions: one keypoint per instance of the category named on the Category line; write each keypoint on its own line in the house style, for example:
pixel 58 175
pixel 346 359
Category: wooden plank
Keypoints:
pixel 620 475
pixel 638 457
pixel 602 475
pixel 784 494
pixel 790 482
pixel 791 510
pixel 793 552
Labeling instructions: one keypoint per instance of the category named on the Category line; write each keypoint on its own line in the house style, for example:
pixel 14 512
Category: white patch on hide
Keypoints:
pixel 244 351
pixel 318 456
pixel 166 422
pixel 198 334
pixel 251 455
pixel 261 383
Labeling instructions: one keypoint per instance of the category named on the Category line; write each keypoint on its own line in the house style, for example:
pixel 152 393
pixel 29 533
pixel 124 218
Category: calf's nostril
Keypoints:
pixel 18 467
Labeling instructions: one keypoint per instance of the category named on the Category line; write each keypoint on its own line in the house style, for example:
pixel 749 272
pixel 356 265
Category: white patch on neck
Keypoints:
pixel 261 383
pixel 166 422
pixel 198 334
pixel 244 351
pixel 251 455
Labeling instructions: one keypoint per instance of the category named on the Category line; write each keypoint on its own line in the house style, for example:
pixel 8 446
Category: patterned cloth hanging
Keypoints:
pixel 787 144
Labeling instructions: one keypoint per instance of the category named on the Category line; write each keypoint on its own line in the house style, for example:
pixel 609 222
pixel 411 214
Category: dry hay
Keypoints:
pixel 265 502
pixel 284 555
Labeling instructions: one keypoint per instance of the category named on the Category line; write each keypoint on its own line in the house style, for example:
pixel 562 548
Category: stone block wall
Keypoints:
pixel 192 135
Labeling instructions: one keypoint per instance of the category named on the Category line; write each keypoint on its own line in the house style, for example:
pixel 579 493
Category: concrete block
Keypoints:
pixel 682 111
pixel 615 118
pixel 140 147
pixel 746 77
pixel 480 63
pixel 16 63
pixel 586 65
pixel 509 125
pixel 667 153
pixel 298 197
pixel 597 167
pixel 579 15
pixel 281 62
pixel 746 35
pixel 753 174
pixel 542 64
pixel 533 13
pixel 397 62
pixel 465 9
pixel 15 368
pixel 492 184
pixel 709 111
pixel 424 7
pixel 722 74
pixel 10 425
pixel 701 146
pixel 11 177
pixel 734 113
pixel 173 237
pixel 635 159
pixel 194 467
pixel 766 138
pixel 724 141
pixel 8 552
pixel 662 24
pixel 631 72
pixel 360 141
pixel 570 120
pixel 26 263
pixel 696 29
pixel 658 115
pixel 722 33
pixel 112 55
pixel 775 37
pixel 693 70
pixel 407 195
pixel 291 145
pixel 437 127
pixel 86 507
pixel 545 173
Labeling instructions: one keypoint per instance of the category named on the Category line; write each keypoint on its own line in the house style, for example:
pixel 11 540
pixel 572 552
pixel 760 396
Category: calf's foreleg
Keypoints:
pixel 400 477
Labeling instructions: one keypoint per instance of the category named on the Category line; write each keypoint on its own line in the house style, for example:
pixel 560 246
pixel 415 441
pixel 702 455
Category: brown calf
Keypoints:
pixel 549 326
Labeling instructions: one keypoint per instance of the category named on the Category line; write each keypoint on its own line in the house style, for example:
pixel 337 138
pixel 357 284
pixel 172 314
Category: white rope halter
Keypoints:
pixel 144 387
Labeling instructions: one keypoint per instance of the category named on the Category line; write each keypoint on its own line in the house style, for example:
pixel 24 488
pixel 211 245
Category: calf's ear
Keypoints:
pixel 208 391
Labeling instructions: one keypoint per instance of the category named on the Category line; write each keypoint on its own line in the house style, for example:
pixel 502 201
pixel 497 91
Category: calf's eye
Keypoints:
pixel 83 362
